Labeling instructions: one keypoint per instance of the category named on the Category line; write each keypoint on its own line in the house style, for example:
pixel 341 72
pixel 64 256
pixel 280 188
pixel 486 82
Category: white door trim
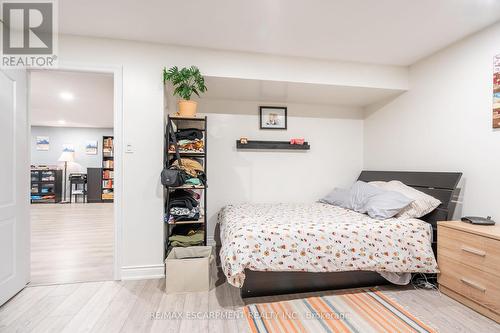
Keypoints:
pixel 117 71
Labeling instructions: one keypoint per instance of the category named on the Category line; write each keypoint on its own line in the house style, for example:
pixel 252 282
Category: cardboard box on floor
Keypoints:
pixel 189 269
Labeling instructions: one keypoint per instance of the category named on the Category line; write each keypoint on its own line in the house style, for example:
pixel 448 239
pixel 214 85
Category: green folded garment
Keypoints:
pixel 195 239
pixel 193 181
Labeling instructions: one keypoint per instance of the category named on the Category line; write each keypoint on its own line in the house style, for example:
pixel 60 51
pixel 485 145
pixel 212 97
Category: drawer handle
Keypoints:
pixel 474 251
pixel 473 285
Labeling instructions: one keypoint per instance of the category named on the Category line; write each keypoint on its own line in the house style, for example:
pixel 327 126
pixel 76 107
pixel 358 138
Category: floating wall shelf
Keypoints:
pixel 254 144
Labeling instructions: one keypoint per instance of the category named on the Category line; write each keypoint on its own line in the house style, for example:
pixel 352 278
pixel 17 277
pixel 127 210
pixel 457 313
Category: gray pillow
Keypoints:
pixel 386 205
pixel 338 197
pixel 364 198
pixel 360 193
pixel 378 203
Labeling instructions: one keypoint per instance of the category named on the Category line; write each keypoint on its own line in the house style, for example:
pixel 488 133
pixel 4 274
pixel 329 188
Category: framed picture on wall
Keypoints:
pixel 42 143
pixel 68 148
pixel 272 117
pixel 91 147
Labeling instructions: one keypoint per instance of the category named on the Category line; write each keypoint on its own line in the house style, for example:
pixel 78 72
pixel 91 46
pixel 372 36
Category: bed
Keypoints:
pixel 287 248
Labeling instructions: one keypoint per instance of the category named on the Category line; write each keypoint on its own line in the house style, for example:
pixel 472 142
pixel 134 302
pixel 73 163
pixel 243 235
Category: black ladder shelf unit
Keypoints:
pixel 199 123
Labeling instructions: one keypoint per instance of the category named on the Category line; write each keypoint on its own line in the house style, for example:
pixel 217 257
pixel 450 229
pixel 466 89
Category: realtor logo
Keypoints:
pixel 29 37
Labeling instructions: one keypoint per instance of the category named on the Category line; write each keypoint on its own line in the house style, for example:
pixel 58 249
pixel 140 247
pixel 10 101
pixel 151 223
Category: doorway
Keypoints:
pixel 73 173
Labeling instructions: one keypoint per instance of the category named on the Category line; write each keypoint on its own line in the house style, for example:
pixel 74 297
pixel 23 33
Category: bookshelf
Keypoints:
pixel 107 186
pixel 180 123
pixel 46 185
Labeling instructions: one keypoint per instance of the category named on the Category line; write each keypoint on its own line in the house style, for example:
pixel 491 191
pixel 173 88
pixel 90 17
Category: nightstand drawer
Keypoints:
pixel 479 286
pixel 477 251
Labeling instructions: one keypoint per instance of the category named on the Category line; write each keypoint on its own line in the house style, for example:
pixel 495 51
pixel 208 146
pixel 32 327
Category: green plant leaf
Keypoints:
pixel 186 81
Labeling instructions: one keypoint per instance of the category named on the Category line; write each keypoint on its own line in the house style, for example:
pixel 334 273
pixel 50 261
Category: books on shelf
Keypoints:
pixel 107 183
pixel 107 174
pixel 107 152
pixel 107 194
pixel 47 176
pixel 43 198
pixel 107 142
pixel 108 164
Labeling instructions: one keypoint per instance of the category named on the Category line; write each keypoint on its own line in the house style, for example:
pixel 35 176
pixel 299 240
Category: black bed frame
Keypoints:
pixel 441 185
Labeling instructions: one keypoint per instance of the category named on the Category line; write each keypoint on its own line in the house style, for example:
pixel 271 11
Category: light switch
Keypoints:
pixel 129 148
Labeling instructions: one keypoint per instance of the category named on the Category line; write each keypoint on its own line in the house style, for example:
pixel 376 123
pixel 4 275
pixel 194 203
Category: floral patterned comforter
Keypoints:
pixel 319 238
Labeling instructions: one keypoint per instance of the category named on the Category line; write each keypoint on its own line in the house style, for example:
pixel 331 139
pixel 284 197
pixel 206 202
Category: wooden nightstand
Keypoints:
pixel 469 261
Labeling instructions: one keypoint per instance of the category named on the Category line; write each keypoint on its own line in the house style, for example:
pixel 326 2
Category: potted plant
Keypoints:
pixel 186 82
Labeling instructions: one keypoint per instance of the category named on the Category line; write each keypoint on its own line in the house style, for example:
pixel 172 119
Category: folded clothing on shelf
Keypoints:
pixel 191 166
pixel 194 181
pixel 186 229
pixel 188 146
pixel 182 199
pixel 193 239
pixel 189 134
pixel 195 177
pixel 185 214
pixel 183 206
pixel 181 211
pixel 193 169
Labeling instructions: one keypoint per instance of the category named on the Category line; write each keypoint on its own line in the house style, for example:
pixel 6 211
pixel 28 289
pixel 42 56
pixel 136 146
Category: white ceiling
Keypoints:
pixel 397 32
pixel 292 92
pixel 91 106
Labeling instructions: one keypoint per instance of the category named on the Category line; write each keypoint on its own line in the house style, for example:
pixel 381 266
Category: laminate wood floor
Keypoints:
pixel 71 243
pixel 143 306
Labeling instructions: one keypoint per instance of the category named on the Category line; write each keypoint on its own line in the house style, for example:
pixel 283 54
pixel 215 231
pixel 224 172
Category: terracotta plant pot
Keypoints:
pixel 187 108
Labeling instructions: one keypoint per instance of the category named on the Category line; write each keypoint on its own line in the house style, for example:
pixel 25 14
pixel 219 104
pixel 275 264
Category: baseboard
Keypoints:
pixel 143 272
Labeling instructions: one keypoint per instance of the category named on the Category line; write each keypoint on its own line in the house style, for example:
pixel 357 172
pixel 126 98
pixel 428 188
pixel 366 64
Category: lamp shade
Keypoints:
pixel 67 156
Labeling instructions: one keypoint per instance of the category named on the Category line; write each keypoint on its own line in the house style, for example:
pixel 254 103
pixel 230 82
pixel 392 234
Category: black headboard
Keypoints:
pixel 441 185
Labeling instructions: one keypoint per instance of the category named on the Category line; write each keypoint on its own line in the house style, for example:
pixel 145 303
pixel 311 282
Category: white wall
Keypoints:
pixel 444 122
pixel 335 158
pixel 77 136
pixel 143 114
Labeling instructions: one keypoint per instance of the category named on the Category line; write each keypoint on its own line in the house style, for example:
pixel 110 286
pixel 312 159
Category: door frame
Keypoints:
pixel 117 71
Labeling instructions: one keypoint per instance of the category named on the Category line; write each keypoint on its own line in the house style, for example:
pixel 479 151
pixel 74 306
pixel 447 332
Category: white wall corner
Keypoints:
pixel 143 272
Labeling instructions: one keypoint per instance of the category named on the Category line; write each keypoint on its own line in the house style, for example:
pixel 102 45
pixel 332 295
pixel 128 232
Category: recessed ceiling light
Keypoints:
pixel 61 122
pixel 67 96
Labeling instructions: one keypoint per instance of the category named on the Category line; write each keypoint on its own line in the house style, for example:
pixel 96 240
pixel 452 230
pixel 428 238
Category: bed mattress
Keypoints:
pixel 318 237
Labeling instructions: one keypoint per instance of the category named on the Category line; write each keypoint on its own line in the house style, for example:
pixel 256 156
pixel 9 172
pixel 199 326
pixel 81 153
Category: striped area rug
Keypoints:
pixel 363 310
